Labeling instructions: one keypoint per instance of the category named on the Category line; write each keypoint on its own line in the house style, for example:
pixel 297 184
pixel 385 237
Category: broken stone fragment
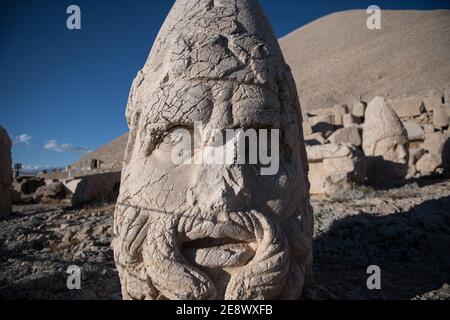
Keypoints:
pixel 6 174
pixel 359 108
pixel 314 139
pixel 408 107
pixel 334 168
pixel 432 100
pixel 428 164
pixel 28 185
pixel 323 124
pixel 326 151
pixel 415 132
pixel 434 142
pixel 415 154
pixel 95 187
pixel 339 111
pixel 53 190
pixel 350 135
pixel 349 120
pixel 440 116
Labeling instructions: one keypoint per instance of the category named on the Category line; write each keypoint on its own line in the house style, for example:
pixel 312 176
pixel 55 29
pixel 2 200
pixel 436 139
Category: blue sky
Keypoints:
pixel 64 92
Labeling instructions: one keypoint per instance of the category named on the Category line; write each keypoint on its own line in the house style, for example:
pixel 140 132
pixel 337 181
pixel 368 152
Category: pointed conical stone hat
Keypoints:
pixel 214 61
pixel 381 122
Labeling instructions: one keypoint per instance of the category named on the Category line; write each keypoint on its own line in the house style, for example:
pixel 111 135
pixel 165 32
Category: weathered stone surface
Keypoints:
pixel 28 185
pixel 54 190
pixel 339 111
pixel 217 62
pixel 351 135
pixel 385 141
pixel 415 154
pixel 409 106
pixel 428 164
pixel 440 116
pixel 6 174
pixel 414 131
pixel 96 187
pixel 428 128
pixel 434 142
pixel 335 168
pixel 327 151
pixel 432 100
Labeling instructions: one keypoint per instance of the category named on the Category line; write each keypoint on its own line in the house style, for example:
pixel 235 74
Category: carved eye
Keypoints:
pixel 177 137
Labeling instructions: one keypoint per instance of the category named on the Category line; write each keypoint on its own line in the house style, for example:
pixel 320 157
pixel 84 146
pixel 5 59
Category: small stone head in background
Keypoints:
pixel 201 231
pixel 385 143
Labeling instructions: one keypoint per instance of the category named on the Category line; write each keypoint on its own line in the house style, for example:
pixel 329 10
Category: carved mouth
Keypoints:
pixel 218 253
pixel 227 244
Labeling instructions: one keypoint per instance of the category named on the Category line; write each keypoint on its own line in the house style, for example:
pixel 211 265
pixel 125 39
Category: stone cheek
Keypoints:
pixel 393 149
pixel 202 231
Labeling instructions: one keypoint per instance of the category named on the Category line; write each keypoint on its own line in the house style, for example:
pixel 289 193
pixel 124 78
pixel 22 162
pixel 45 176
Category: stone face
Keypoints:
pixel 6 175
pixel 96 187
pixel 200 231
pixel 351 135
pixel 414 131
pixel 335 168
pixel 385 142
pixel 409 106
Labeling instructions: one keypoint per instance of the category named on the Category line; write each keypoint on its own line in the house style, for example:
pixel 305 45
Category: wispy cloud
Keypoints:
pixel 31 167
pixel 53 145
pixel 23 138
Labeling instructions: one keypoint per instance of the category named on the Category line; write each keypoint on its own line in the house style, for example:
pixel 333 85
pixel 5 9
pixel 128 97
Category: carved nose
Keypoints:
pixel 402 154
pixel 220 188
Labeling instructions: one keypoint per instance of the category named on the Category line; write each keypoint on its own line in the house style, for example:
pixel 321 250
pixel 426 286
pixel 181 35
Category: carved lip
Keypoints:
pixel 218 253
pixel 219 245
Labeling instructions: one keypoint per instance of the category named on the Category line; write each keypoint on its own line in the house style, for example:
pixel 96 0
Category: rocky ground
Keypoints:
pixel 405 231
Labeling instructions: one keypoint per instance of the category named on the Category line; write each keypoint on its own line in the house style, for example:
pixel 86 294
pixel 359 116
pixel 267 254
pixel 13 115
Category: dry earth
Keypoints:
pixel 405 231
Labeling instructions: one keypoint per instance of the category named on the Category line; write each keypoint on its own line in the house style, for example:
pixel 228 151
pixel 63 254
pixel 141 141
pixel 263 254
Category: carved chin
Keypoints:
pixel 225 256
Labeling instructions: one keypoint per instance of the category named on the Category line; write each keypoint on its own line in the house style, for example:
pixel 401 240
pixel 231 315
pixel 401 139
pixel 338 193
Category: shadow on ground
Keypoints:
pixel 411 248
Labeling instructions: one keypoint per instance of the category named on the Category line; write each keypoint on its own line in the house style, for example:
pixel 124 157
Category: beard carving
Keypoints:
pixel 210 231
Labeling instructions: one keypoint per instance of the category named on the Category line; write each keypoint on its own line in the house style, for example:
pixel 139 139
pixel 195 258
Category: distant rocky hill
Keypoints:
pixel 111 154
pixel 336 59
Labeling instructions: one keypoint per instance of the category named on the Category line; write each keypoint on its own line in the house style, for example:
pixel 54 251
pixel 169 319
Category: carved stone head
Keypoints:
pixel 209 231
pixel 384 137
